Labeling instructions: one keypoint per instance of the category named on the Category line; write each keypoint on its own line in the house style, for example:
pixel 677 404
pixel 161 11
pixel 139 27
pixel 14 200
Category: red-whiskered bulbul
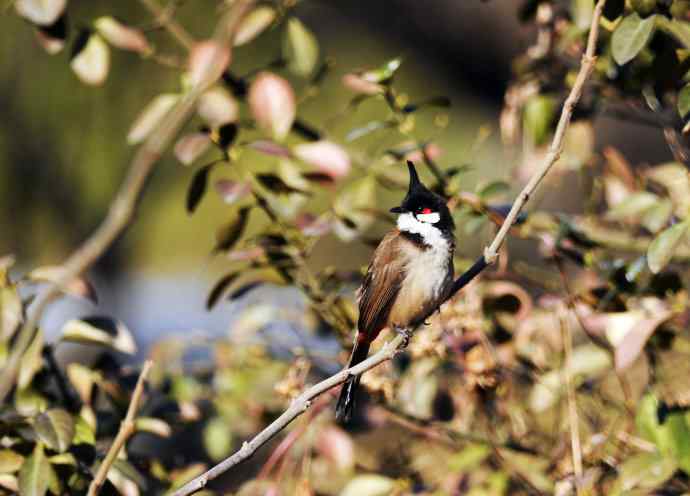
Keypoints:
pixel 410 274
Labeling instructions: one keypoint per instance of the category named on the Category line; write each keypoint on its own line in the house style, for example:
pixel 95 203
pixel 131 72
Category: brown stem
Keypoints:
pixel 127 428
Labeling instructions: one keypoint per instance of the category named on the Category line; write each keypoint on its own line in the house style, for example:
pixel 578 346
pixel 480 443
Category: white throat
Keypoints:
pixel 431 234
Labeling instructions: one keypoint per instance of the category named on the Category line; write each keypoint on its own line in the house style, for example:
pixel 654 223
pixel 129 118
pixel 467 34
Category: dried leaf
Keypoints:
pixel 82 379
pixel 10 461
pixel 272 103
pixel 336 445
pixel 92 62
pixel 11 313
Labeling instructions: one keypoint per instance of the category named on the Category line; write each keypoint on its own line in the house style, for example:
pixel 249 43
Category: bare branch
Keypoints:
pixel 123 207
pixel 127 428
pixel 388 351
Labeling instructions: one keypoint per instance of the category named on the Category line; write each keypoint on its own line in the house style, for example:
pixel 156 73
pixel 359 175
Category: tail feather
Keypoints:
pixel 346 400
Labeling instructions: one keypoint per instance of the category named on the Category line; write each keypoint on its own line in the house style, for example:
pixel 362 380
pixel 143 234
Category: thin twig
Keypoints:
pixel 127 428
pixel 389 349
pixel 165 19
pixel 588 60
pixel 573 419
pixel 123 207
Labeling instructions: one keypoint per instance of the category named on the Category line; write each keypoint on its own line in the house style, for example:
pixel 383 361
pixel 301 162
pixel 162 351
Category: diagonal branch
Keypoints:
pixel 392 347
pixel 126 430
pixel 123 207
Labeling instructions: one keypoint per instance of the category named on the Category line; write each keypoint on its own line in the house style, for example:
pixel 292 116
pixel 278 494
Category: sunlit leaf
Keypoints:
pixel 358 84
pixel 384 73
pixel 197 187
pixel 82 379
pixel 208 60
pixel 300 48
pixel 102 331
pixel 55 427
pixel 656 217
pixel 121 36
pixel 630 37
pixel 84 431
pixel 191 146
pixel 10 461
pixel 153 426
pixel 34 476
pixel 582 11
pixel 10 312
pixel 643 471
pixel 32 361
pixel 41 12
pixel 326 156
pixel 369 485
pixel 684 100
pixel 633 206
pixel 29 402
pixel 674 177
pixel 217 107
pixel 349 205
pixel 272 103
pixel 661 250
pixel 9 482
pixel 254 24
pixel 92 62
pixel 151 117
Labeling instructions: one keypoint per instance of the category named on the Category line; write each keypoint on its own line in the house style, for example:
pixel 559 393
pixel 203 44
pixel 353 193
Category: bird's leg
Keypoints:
pixel 405 332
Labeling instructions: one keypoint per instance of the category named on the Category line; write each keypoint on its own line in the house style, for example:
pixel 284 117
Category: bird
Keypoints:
pixel 409 276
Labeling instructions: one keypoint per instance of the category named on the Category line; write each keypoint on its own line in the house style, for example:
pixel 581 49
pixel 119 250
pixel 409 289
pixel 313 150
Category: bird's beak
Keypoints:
pixel 397 210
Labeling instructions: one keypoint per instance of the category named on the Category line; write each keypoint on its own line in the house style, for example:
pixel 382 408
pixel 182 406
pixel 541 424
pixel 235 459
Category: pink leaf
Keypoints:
pixel 121 36
pixel 207 62
pixel 272 103
pixel 191 146
pixel 325 156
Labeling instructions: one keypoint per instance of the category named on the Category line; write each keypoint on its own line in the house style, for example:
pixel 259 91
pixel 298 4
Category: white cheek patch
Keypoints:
pixel 431 218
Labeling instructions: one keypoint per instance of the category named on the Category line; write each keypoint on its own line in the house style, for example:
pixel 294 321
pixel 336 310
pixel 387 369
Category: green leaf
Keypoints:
pixel 369 485
pixel 197 187
pixel 492 189
pixel 300 48
pixel 661 250
pixel 100 331
pixel 684 100
pixel 643 471
pixel 153 425
pixel 582 12
pixel 55 428
pixel 230 233
pixel 150 117
pixel 630 37
pixel 680 30
pixel 32 361
pixel 84 433
pixel 673 439
pixel 217 438
pixel 384 73
pixel 219 289
pixel 92 63
pixel 254 24
pixel 469 458
pixel 633 206
pixel 35 474
pixel 41 12
pixel 538 116
pixel 10 461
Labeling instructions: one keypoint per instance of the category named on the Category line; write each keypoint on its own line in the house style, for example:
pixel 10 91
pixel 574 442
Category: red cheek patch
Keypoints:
pixel 426 211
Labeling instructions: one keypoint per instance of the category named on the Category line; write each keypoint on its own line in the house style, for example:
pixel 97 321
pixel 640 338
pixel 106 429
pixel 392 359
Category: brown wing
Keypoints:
pixel 380 286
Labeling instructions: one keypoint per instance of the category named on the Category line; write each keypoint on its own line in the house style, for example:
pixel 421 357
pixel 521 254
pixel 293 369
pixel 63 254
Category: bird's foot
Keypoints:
pixel 406 334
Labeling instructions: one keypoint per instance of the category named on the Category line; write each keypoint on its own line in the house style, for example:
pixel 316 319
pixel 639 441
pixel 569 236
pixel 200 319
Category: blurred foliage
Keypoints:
pixel 565 373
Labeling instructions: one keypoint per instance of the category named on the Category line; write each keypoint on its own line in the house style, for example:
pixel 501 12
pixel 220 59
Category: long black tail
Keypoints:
pixel 346 400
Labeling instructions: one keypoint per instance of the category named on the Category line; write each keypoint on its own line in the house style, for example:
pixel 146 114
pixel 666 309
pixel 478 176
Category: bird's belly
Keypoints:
pixel 425 281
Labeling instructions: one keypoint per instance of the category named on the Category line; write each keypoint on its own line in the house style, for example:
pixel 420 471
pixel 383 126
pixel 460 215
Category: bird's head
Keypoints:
pixel 422 208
